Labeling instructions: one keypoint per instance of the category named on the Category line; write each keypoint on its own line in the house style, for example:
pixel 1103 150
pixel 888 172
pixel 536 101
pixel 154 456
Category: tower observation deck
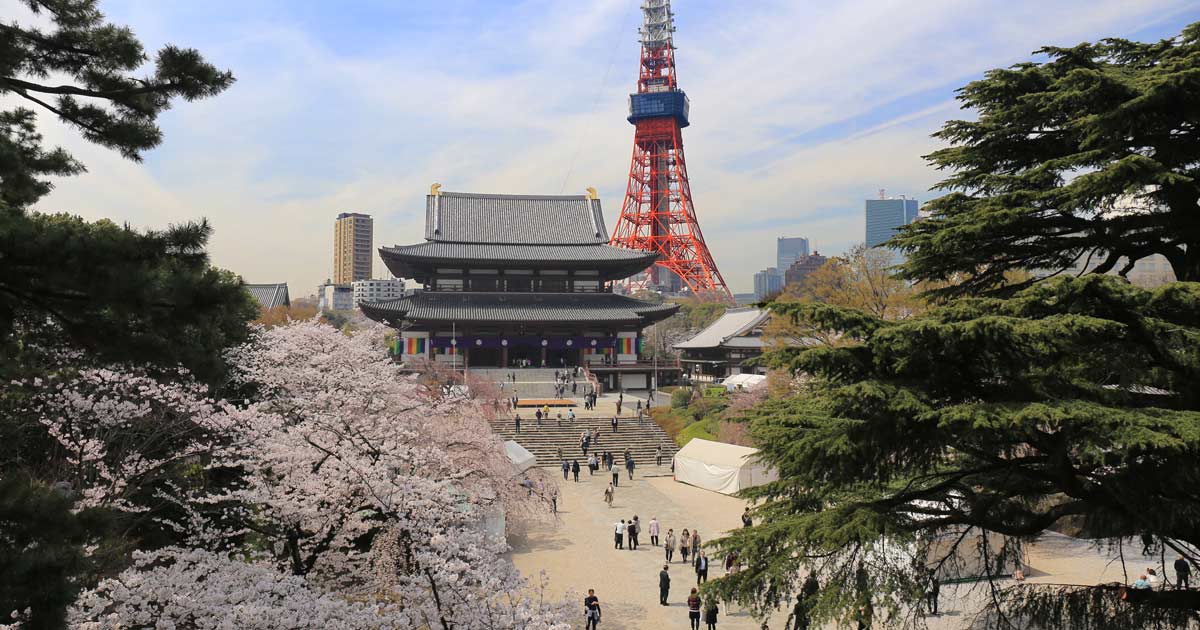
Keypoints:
pixel 657 213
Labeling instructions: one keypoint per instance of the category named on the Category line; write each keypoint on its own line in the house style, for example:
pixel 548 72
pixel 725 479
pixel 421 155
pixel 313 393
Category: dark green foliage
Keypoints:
pixel 40 548
pixel 681 397
pixel 114 292
pixel 1075 402
pixel 1058 145
pixel 102 291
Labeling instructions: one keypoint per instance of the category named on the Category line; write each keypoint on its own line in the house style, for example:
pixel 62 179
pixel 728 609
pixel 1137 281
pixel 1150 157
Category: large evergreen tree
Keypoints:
pixel 111 290
pixel 1073 402
pixel 1092 157
pixel 75 293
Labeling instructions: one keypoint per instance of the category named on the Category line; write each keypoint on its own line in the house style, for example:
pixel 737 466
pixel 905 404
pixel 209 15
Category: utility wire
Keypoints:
pixel 612 57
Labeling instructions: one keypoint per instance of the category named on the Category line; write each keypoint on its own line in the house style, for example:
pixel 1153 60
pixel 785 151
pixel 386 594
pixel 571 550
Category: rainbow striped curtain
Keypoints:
pixel 415 345
pixel 625 345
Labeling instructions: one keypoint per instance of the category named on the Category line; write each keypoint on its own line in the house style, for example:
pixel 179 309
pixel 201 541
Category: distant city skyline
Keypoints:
pixel 788 249
pixel 322 115
pixel 883 217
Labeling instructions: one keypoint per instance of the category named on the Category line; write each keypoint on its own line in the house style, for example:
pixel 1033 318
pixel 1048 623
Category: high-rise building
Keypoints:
pixel 885 216
pixel 803 266
pixel 353 248
pixel 766 282
pixel 377 290
pixel 787 250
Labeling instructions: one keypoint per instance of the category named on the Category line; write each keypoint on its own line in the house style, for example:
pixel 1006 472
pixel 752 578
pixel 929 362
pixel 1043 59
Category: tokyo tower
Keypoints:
pixel 657 213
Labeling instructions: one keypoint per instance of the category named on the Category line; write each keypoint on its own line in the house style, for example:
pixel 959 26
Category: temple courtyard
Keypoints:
pixel 576 553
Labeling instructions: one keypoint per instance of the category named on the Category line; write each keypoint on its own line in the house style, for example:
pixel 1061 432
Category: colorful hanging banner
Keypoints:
pixel 625 345
pixel 414 345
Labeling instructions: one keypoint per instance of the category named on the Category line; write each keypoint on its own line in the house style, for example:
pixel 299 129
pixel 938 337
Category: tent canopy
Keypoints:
pixel 519 456
pixel 720 467
pixel 743 380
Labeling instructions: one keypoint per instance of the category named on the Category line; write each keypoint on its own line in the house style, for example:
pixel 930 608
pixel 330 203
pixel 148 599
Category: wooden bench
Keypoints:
pixel 546 402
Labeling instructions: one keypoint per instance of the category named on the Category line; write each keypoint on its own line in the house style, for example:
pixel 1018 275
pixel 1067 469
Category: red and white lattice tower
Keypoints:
pixel 657 213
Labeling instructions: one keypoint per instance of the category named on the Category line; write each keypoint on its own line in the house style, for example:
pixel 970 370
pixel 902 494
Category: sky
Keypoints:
pixel 800 111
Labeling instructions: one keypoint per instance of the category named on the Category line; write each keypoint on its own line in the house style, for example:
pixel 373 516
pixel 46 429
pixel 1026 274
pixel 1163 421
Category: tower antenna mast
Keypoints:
pixel 657 213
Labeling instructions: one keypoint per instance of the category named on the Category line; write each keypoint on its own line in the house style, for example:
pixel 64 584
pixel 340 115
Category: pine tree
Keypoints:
pixel 1092 157
pixel 113 291
pixel 1073 402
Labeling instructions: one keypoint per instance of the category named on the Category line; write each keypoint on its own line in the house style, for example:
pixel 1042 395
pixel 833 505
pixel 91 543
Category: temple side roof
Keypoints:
pixel 545 254
pixel 269 295
pixel 518 307
pixel 726 331
pixel 514 219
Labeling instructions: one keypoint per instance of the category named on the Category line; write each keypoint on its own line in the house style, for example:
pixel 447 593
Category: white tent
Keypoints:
pixel 519 456
pixel 742 381
pixel 724 468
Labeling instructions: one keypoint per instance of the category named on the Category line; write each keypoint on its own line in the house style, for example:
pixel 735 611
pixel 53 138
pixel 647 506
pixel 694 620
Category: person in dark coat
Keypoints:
pixel 710 614
pixel 575 469
pixel 664 585
pixel 701 568
pixel 591 610
pixel 1183 571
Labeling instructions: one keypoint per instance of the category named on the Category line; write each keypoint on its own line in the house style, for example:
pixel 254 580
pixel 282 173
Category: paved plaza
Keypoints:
pixel 577 554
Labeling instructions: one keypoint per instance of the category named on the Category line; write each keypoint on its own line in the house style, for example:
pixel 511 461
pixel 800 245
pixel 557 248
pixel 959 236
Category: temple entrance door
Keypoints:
pixel 566 357
pixel 517 353
pixel 484 357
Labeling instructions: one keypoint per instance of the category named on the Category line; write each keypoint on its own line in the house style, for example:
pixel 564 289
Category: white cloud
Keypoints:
pixel 532 100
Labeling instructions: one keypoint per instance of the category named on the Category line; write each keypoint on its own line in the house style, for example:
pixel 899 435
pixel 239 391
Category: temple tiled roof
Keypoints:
pixel 519 307
pixel 514 219
pixel 269 295
pixel 545 254
pixel 733 329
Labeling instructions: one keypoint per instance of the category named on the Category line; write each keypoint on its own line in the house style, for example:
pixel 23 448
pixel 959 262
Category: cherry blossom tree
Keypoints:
pixel 353 496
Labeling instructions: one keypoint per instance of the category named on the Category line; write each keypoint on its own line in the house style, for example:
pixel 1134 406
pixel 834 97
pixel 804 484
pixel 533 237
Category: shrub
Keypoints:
pixel 680 398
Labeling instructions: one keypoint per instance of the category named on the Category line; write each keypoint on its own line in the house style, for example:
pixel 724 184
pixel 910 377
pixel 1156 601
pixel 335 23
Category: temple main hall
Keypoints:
pixel 521 280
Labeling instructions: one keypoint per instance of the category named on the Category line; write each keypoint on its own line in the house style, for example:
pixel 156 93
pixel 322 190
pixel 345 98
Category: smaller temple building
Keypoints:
pixel 520 280
pixel 719 350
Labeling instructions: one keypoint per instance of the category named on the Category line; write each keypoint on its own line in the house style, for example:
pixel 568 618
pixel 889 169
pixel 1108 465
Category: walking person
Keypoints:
pixel 746 520
pixel 933 592
pixel 710 613
pixel 669 543
pixel 635 528
pixel 695 545
pixel 701 567
pixel 575 469
pixel 591 464
pixel 664 585
pixel 517 419
pixel 629 467
pixel 571 416
pixel 608 495
pixel 658 455
pixel 614 421
pixel 558 420
pixel 653 528
pixel 591 610
pixel 616 474
pixel 693 604
pixel 538 414
pixel 566 468
pixel 619 534
pixel 685 544
pixel 1183 571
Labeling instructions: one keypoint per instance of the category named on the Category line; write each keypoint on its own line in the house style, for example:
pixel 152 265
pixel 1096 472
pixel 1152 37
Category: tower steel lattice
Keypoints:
pixel 657 213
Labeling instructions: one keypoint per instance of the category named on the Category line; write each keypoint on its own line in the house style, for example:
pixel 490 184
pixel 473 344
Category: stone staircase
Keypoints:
pixel 641 438
pixel 531 382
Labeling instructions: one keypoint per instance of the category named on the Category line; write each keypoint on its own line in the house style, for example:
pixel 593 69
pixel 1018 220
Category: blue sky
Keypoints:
pixel 800 111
